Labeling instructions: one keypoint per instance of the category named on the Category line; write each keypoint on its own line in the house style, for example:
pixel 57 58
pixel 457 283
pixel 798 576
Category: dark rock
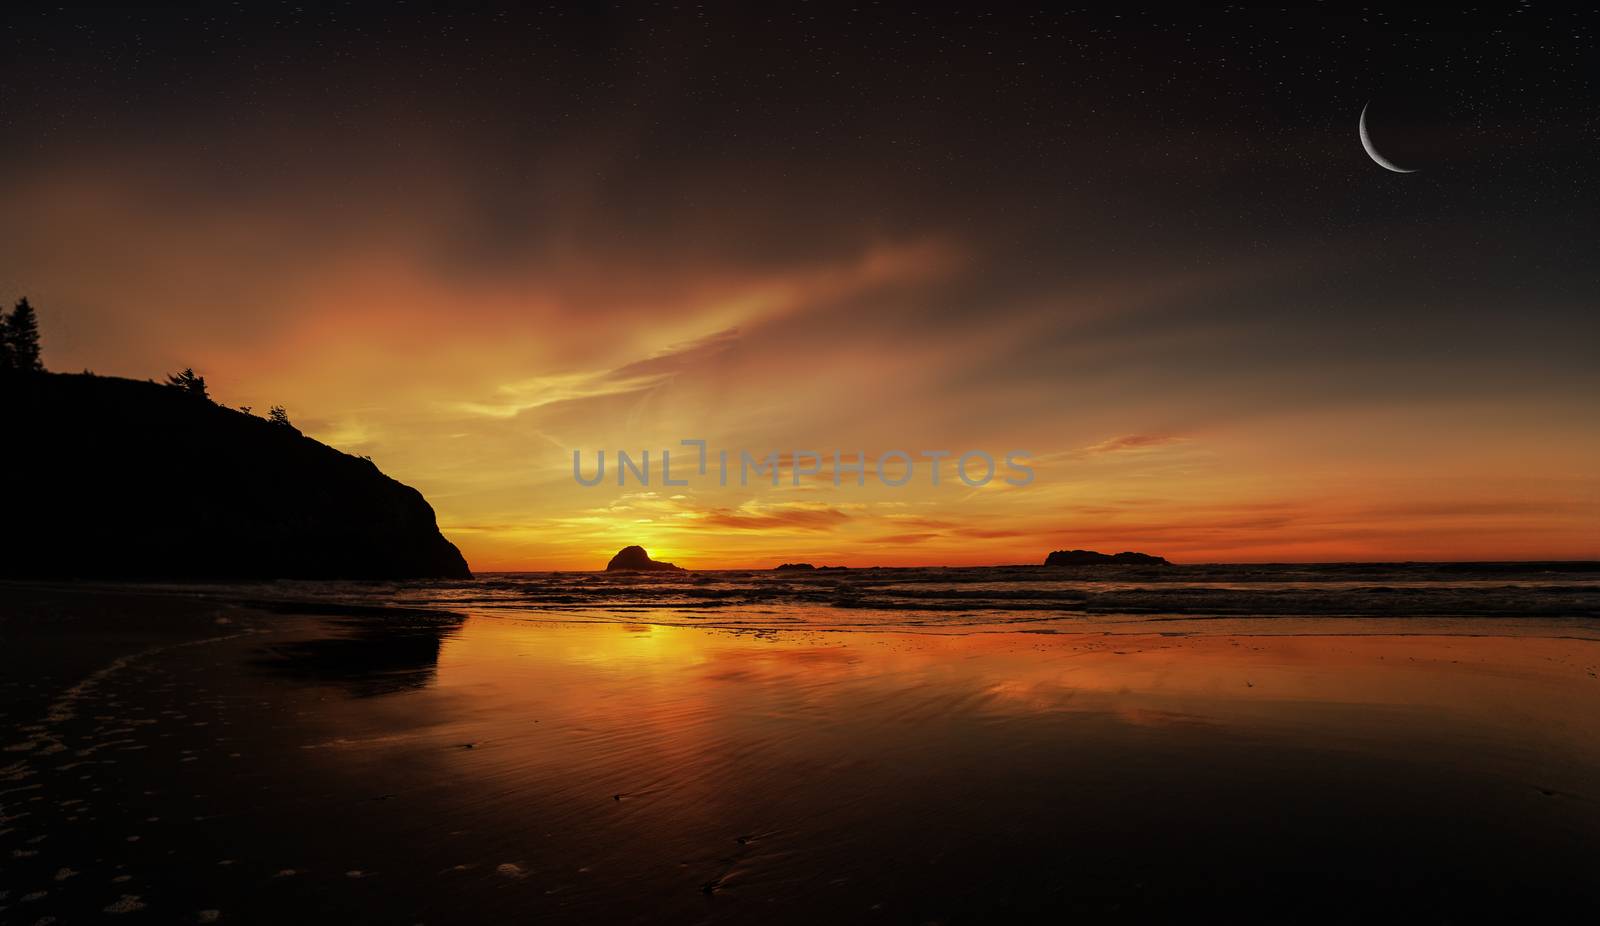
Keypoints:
pixel 120 479
pixel 794 567
pixel 1091 558
pixel 635 559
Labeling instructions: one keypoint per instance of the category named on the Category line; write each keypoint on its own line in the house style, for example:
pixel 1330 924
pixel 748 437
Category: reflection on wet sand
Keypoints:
pixel 949 777
pixel 368 653
pixel 498 769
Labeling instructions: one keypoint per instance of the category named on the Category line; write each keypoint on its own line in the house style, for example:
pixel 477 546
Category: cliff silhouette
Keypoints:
pixel 102 477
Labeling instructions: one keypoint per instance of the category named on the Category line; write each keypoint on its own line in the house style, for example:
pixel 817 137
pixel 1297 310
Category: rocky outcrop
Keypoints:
pixel 794 567
pixel 1091 558
pixel 635 559
pixel 119 479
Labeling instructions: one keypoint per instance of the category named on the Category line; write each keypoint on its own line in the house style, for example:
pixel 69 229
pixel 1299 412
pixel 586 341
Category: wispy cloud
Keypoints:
pixel 638 376
pixel 788 516
pixel 1131 442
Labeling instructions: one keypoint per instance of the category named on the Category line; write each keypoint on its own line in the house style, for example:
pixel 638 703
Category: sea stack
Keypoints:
pixel 635 559
pixel 1092 558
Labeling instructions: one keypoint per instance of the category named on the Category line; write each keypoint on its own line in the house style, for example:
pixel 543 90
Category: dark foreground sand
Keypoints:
pixel 187 759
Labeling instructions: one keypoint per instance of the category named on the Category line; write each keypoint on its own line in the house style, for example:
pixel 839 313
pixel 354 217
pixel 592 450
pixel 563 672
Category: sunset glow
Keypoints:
pixel 1204 362
pixel 479 399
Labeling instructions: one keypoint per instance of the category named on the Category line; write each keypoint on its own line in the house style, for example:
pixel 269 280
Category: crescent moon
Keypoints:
pixel 1366 143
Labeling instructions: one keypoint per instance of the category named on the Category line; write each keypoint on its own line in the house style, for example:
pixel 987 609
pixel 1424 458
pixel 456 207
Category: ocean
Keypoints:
pixel 963 599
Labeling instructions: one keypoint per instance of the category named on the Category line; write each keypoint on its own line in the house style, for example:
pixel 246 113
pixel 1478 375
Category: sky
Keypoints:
pixel 1146 248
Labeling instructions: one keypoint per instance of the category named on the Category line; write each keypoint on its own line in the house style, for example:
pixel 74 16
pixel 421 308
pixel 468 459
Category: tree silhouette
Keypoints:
pixel 20 334
pixel 277 415
pixel 188 382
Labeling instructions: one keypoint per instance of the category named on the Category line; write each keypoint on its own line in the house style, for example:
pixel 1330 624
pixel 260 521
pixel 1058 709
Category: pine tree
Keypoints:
pixel 5 346
pixel 277 415
pixel 189 382
pixel 21 337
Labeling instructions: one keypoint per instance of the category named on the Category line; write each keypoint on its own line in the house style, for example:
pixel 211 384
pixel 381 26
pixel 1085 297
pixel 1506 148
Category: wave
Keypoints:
pixel 954 596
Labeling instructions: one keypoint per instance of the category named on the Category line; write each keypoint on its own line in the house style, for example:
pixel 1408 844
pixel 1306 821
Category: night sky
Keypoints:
pixel 1148 248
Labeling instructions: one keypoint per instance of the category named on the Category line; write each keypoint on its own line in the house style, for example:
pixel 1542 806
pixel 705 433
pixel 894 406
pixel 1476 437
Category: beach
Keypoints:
pixel 749 465
pixel 217 754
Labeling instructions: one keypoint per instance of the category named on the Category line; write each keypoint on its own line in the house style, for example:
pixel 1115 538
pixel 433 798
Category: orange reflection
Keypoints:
pixel 643 772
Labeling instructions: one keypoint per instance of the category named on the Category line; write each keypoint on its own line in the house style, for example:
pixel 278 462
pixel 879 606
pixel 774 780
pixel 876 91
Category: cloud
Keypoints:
pixel 904 539
pixel 635 377
pixel 790 516
pixel 993 533
pixel 1130 442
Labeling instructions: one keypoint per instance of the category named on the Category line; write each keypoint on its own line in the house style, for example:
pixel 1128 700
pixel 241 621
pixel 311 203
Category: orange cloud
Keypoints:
pixel 775 517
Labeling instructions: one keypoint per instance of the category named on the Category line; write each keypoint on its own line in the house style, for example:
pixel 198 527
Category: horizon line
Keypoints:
pixel 1376 562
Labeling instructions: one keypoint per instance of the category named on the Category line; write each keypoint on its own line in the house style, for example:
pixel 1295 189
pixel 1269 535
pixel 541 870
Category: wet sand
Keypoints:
pixel 191 759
